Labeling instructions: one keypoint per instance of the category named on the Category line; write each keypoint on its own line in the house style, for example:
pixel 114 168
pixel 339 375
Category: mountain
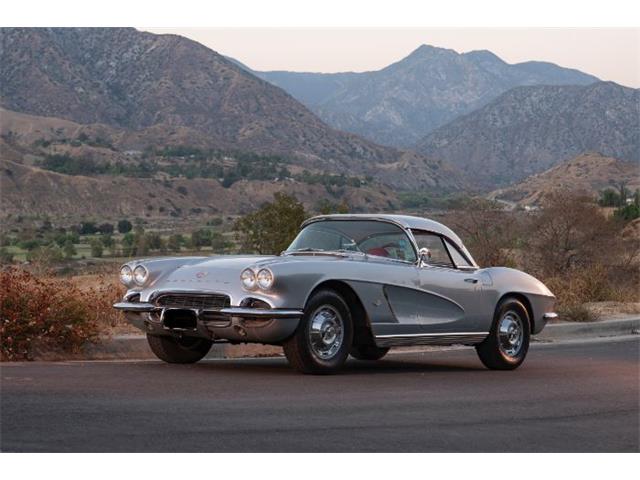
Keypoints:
pixel 401 103
pixel 531 129
pixel 146 88
pixel 588 173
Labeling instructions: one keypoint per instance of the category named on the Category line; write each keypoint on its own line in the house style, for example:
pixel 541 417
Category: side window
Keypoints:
pixel 391 245
pixel 458 259
pixel 433 242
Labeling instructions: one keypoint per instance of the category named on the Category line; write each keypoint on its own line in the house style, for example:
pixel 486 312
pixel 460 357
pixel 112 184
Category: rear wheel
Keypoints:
pixel 508 342
pixel 179 350
pixel 368 352
pixel 323 339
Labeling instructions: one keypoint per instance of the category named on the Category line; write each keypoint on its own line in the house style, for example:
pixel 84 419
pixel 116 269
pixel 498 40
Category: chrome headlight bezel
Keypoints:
pixel 248 279
pixel 126 275
pixel 265 279
pixel 140 275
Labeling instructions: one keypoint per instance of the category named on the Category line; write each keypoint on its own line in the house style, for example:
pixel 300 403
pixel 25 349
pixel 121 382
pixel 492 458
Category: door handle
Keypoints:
pixel 471 280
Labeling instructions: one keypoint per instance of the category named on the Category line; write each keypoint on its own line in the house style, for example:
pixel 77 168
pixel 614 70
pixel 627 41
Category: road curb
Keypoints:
pixel 136 347
pixel 606 328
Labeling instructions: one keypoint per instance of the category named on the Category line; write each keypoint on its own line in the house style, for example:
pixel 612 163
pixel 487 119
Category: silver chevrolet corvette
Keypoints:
pixel 348 285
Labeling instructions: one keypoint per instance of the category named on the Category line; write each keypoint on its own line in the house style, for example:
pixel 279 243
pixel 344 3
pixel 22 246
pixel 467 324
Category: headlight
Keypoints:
pixel 126 274
pixel 248 278
pixel 140 275
pixel 265 279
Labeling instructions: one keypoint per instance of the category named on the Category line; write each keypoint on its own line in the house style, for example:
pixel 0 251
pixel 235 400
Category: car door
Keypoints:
pixel 454 294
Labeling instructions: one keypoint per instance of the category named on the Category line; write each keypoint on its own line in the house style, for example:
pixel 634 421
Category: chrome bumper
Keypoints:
pixel 550 316
pixel 228 311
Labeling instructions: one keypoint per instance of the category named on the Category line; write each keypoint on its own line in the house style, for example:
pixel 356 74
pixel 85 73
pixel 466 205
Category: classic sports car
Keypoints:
pixel 348 284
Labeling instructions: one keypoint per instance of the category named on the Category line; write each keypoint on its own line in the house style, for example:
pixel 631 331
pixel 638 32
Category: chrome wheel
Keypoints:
pixel 326 332
pixel 511 333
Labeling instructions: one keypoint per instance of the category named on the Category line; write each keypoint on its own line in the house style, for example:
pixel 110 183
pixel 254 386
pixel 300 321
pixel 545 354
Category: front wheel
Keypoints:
pixel 323 339
pixel 508 342
pixel 179 350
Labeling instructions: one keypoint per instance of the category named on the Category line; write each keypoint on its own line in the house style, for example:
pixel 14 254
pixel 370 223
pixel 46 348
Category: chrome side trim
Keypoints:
pixel 467 338
pixel 550 316
pixel 259 312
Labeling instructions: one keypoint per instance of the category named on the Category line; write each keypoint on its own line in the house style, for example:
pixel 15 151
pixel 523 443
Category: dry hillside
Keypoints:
pixel 588 173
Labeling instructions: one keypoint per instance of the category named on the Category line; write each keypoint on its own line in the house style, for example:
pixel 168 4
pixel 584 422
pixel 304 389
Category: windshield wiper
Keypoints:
pixel 302 250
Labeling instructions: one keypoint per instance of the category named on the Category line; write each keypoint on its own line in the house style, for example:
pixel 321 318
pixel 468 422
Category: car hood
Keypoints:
pixel 227 266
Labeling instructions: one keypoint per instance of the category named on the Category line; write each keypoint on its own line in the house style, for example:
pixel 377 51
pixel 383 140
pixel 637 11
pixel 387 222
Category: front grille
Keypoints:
pixel 205 301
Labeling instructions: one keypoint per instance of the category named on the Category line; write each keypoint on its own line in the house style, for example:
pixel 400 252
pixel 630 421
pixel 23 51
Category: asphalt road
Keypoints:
pixel 569 397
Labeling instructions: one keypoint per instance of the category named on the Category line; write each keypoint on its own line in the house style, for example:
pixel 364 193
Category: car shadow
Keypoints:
pixel 279 366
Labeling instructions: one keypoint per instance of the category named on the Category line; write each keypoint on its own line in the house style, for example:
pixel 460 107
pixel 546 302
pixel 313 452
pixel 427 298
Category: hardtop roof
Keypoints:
pixel 406 221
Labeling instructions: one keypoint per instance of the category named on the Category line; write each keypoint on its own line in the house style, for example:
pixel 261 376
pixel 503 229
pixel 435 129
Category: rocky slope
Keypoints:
pixel 401 103
pixel 530 129
pixel 152 86
pixel 588 174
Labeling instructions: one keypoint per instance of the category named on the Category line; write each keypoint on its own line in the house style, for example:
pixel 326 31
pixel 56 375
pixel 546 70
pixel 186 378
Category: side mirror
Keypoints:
pixel 425 256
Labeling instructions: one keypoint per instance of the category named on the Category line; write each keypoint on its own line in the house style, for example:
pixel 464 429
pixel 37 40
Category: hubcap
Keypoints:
pixel 326 332
pixel 511 331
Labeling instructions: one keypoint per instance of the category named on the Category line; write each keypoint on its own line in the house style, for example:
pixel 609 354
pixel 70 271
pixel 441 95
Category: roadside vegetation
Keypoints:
pixel 582 254
pixel 41 312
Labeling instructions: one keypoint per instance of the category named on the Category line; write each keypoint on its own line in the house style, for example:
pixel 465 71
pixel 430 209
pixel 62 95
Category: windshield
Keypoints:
pixel 372 237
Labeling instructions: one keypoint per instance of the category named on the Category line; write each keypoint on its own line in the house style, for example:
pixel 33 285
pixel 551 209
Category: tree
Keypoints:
pixel 200 238
pixel 609 198
pixel 128 244
pixel 105 228
pixel 487 230
pixel 628 212
pixel 124 226
pixel 107 242
pixel 175 242
pixel 218 243
pixel 68 248
pixel 570 232
pixel 87 228
pixel 154 241
pixel 270 229
pixel 325 207
pixel 96 247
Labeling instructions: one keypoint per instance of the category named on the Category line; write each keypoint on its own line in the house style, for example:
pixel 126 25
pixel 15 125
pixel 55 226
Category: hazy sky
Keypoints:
pixel 608 53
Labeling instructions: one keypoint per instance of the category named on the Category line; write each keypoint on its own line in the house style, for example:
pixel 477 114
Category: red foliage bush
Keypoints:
pixel 46 313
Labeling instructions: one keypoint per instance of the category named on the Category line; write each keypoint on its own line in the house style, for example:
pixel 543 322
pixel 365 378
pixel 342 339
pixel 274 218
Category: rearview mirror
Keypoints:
pixel 425 255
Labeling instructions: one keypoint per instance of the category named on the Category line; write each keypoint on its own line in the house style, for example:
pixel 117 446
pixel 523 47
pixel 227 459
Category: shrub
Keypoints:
pixel 578 313
pixel 49 314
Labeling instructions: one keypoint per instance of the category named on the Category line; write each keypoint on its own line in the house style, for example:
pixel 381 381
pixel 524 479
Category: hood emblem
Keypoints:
pixel 201 274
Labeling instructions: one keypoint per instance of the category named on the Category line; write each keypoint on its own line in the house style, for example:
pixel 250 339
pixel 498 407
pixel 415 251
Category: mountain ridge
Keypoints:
pixel 400 103
pixel 532 128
